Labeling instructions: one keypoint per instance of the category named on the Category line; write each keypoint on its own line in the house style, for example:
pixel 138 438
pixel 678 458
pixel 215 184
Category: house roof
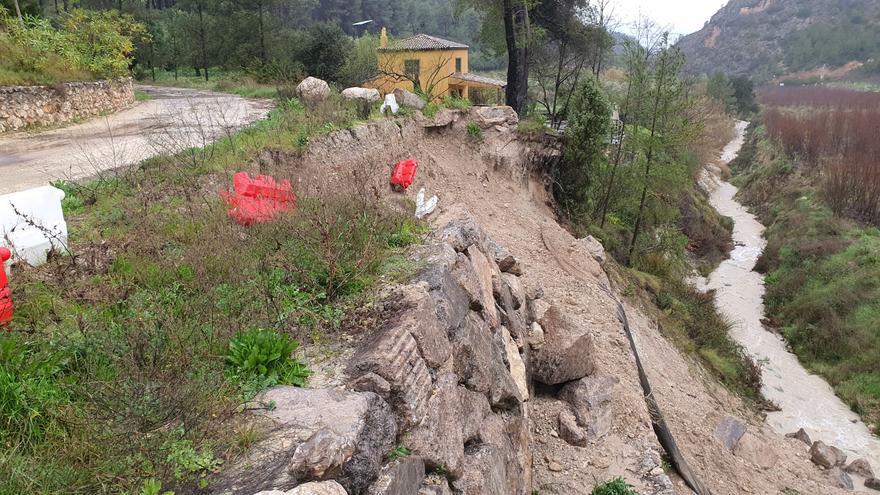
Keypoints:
pixel 468 77
pixel 422 42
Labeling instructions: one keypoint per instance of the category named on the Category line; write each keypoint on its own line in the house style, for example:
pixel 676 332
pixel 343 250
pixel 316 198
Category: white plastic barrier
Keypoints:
pixel 32 224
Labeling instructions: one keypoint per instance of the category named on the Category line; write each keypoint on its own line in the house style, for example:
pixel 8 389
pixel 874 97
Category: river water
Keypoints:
pixel 806 400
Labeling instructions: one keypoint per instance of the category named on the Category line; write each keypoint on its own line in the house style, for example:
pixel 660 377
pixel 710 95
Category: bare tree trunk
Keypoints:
pixel 262 35
pixel 18 12
pixel 516 22
pixel 202 40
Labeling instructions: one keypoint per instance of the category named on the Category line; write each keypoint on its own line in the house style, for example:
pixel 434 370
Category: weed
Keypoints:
pixel 265 354
pixel 614 487
pixel 431 110
pixel 456 103
pixel 475 133
pixel 398 452
pixel 153 486
pixel 186 460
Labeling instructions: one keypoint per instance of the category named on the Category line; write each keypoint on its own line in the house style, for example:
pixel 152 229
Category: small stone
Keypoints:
pixel 873 484
pixel 554 466
pixel 570 431
pixel 657 471
pixel 841 479
pixel 826 456
pixel 322 488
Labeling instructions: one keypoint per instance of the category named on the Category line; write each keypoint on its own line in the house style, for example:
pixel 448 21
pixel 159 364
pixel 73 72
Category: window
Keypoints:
pixel 411 69
pixel 458 65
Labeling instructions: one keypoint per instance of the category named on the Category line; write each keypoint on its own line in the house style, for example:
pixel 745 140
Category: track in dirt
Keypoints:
pixel 173 120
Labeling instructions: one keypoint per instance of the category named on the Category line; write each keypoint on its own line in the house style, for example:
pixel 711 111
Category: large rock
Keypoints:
pixel 566 353
pixel 730 430
pixel 474 409
pixel 873 483
pixel 313 90
pixel 590 400
pixel 801 435
pixel 420 318
pixel 485 472
pixel 595 248
pixel 322 488
pixel 756 451
pixel 515 364
pixel 840 478
pixel 485 271
pixel 401 477
pixel 363 94
pixel 479 363
pixel 393 354
pixel 444 118
pixel 409 99
pixel 505 261
pixel 826 456
pixel 860 467
pixel 451 301
pixel 570 430
pixel 462 231
pixel 314 434
pixel 492 116
pixel 438 440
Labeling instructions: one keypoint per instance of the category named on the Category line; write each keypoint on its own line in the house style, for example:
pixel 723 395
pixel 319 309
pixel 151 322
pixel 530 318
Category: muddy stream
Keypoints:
pixel 806 400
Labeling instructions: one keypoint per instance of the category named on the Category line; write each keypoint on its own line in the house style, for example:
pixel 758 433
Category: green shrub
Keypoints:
pixel 614 487
pixel 475 132
pixel 265 354
pixel 456 103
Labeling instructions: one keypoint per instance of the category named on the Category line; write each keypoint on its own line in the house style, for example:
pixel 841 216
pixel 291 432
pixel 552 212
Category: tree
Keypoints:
pixel 585 137
pixel 517 34
pixel 325 51
pixel 721 89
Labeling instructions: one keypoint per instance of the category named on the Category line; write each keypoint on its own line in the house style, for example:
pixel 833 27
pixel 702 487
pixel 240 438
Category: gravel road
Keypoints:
pixel 173 120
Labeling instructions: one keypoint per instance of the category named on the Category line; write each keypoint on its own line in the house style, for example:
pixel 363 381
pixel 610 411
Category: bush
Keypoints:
pixel 326 51
pixel 265 354
pixel 614 487
pixel 475 132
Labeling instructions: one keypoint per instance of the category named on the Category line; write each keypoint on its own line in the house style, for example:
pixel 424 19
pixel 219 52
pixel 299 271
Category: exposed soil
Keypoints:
pixel 171 121
pixel 513 208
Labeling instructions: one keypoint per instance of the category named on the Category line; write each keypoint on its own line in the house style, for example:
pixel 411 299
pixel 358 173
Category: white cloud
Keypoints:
pixel 679 16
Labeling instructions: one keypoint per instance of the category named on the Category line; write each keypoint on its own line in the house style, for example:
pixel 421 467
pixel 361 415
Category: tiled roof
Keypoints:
pixel 462 76
pixel 422 42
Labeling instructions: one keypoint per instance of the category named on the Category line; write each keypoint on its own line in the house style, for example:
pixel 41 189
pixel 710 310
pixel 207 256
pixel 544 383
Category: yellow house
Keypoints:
pixel 432 66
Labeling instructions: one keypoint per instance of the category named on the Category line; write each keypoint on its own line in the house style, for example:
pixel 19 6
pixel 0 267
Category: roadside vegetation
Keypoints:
pixel 632 185
pixel 818 197
pixel 129 356
pixel 81 45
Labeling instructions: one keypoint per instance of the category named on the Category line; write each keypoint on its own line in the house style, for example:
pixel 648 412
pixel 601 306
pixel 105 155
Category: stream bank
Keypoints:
pixel 805 400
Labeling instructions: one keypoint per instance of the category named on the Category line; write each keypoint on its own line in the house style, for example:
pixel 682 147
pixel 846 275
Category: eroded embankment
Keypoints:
pixel 585 419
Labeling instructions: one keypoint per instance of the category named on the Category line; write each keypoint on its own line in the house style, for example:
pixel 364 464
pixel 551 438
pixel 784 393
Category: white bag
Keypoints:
pixel 390 102
pixel 425 208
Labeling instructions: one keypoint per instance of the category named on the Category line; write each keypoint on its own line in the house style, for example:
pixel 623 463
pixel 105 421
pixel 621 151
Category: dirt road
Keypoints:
pixel 173 120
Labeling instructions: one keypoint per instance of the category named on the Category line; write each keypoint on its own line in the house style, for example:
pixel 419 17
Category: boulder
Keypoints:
pixel 515 287
pixel 515 364
pixel 400 477
pixel 730 430
pixel 492 116
pixel 474 409
pixel 570 431
pixel 484 472
pixel 826 456
pixel 595 248
pixel 314 434
pixel 444 118
pixel 860 467
pixel 479 362
pixel 462 231
pixel 363 94
pixel 840 478
pixel 393 354
pixel 420 319
pixel 322 488
pixel 758 452
pixel 590 400
pixel 566 353
pixel 536 336
pixel 505 261
pixel 801 435
pixel 409 99
pixel 451 301
pixel 873 483
pixel 313 90
pixel 486 271
pixel 438 440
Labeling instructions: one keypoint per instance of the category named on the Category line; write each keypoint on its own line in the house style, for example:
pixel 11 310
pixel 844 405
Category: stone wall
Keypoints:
pixel 35 106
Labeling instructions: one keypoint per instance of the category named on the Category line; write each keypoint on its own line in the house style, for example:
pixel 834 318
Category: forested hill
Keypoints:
pixel 765 39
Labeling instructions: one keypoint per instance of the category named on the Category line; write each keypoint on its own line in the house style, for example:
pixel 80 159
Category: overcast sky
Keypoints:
pixel 679 16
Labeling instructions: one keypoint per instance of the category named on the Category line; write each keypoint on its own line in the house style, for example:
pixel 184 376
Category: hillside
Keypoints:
pixel 766 39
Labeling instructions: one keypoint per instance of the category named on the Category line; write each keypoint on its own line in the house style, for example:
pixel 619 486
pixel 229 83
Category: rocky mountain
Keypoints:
pixel 766 39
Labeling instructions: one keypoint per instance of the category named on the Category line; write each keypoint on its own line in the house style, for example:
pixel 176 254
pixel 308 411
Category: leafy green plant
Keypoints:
pixel 265 354
pixel 399 452
pixel 475 132
pixel 185 459
pixel 430 109
pixel 614 487
pixel 153 486
pixel 456 103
